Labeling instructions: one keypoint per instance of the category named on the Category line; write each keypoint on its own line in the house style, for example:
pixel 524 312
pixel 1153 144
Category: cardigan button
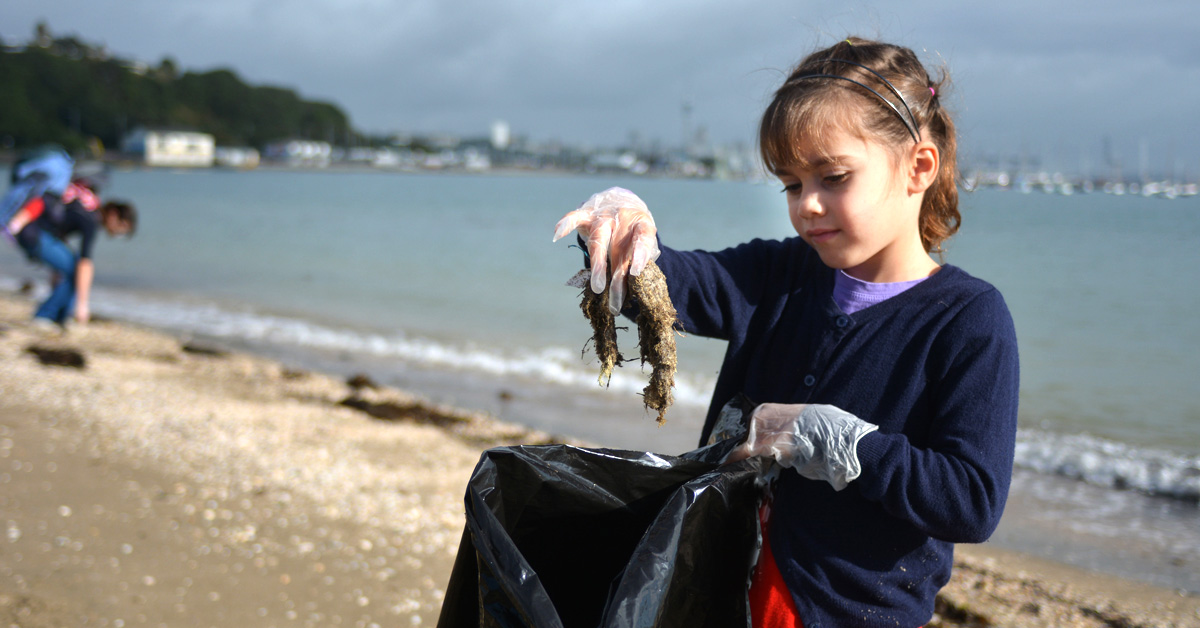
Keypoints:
pixel 843 320
pixel 809 380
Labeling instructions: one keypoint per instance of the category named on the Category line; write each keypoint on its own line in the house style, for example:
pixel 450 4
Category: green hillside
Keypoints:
pixel 63 90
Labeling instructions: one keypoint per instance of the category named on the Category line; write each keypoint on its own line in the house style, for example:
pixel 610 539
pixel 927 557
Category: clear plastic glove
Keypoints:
pixel 620 232
pixel 819 441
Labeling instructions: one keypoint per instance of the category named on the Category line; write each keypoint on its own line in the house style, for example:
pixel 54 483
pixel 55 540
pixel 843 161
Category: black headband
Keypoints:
pixel 910 122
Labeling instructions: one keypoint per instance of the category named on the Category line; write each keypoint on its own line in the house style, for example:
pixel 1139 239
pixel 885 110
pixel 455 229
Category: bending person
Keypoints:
pixel 42 208
pixel 45 240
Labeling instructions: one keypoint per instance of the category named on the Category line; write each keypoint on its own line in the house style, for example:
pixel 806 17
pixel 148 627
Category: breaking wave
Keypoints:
pixel 555 365
pixel 1110 464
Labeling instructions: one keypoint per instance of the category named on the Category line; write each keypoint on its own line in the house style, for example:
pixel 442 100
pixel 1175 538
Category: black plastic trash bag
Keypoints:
pixel 560 536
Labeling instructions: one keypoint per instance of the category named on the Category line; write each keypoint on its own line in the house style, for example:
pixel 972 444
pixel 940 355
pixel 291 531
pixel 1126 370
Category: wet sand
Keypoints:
pixel 166 483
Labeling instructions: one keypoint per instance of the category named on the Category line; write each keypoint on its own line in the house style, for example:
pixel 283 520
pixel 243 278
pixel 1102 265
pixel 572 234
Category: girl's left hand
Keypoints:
pixel 818 441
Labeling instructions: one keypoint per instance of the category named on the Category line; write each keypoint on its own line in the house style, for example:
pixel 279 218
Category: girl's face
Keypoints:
pixel 854 206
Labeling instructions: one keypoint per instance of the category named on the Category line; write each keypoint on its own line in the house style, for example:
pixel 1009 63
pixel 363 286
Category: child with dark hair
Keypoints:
pixel 887 380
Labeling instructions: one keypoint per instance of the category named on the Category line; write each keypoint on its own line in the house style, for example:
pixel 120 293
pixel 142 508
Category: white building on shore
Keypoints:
pixel 300 153
pixel 170 147
pixel 240 157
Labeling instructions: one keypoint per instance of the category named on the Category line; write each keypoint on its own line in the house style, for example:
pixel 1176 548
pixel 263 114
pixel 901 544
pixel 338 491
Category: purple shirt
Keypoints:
pixel 852 295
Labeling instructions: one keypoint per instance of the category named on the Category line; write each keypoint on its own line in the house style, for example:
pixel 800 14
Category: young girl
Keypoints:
pixel 888 382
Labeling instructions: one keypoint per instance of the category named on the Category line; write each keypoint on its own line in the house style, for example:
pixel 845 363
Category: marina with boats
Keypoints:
pixel 1059 183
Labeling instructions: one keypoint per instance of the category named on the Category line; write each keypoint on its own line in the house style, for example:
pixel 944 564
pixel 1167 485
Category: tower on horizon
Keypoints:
pixel 501 135
pixel 686 138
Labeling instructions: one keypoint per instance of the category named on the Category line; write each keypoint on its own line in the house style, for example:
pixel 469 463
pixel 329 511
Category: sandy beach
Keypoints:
pixel 163 481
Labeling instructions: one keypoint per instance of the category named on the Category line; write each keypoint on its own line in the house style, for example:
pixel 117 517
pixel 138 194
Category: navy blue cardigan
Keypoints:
pixel 934 367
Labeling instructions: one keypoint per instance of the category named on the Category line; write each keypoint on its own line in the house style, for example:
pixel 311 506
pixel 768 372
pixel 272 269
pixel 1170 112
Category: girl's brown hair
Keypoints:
pixel 808 105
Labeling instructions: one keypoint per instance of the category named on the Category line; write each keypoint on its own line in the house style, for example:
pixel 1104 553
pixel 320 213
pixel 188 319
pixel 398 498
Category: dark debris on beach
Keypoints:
pixel 205 350
pixel 395 411
pixel 58 356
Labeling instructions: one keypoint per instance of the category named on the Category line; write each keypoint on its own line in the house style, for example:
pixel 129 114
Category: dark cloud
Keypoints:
pixel 1028 76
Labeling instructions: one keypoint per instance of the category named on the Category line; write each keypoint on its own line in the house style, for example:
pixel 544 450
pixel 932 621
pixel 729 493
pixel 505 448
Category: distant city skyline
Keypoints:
pixel 1057 83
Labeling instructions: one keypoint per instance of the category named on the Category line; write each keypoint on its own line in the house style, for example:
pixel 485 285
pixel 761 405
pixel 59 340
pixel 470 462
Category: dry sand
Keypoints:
pixel 162 484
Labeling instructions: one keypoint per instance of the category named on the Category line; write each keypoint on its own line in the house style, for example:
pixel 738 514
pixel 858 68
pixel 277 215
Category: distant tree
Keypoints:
pixel 167 69
pixel 72 47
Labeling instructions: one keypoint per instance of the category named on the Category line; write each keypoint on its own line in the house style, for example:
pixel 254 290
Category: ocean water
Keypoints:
pixel 450 285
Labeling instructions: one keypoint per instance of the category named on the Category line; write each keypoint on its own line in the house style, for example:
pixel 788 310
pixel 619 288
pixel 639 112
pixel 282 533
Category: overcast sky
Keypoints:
pixel 1048 81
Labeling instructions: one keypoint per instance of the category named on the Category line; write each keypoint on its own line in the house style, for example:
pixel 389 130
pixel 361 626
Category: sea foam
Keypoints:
pixel 1110 464
pixel 553 365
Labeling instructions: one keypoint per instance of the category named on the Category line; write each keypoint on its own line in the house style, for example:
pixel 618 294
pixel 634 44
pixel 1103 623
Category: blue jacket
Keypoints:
pixel 935 367
pixel 45 170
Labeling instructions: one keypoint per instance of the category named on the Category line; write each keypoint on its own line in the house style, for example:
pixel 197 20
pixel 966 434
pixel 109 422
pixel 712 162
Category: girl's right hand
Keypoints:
pixel 620 232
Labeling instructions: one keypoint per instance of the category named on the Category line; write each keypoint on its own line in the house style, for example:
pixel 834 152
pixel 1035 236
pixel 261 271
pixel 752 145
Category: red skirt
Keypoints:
pixel 771 604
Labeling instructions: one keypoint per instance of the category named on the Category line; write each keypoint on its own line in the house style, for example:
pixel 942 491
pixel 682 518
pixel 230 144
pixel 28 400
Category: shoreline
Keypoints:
pixel 164 485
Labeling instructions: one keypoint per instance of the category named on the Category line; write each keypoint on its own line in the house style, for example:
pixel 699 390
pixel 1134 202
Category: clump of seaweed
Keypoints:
pixel 656 335
pixel 604 331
